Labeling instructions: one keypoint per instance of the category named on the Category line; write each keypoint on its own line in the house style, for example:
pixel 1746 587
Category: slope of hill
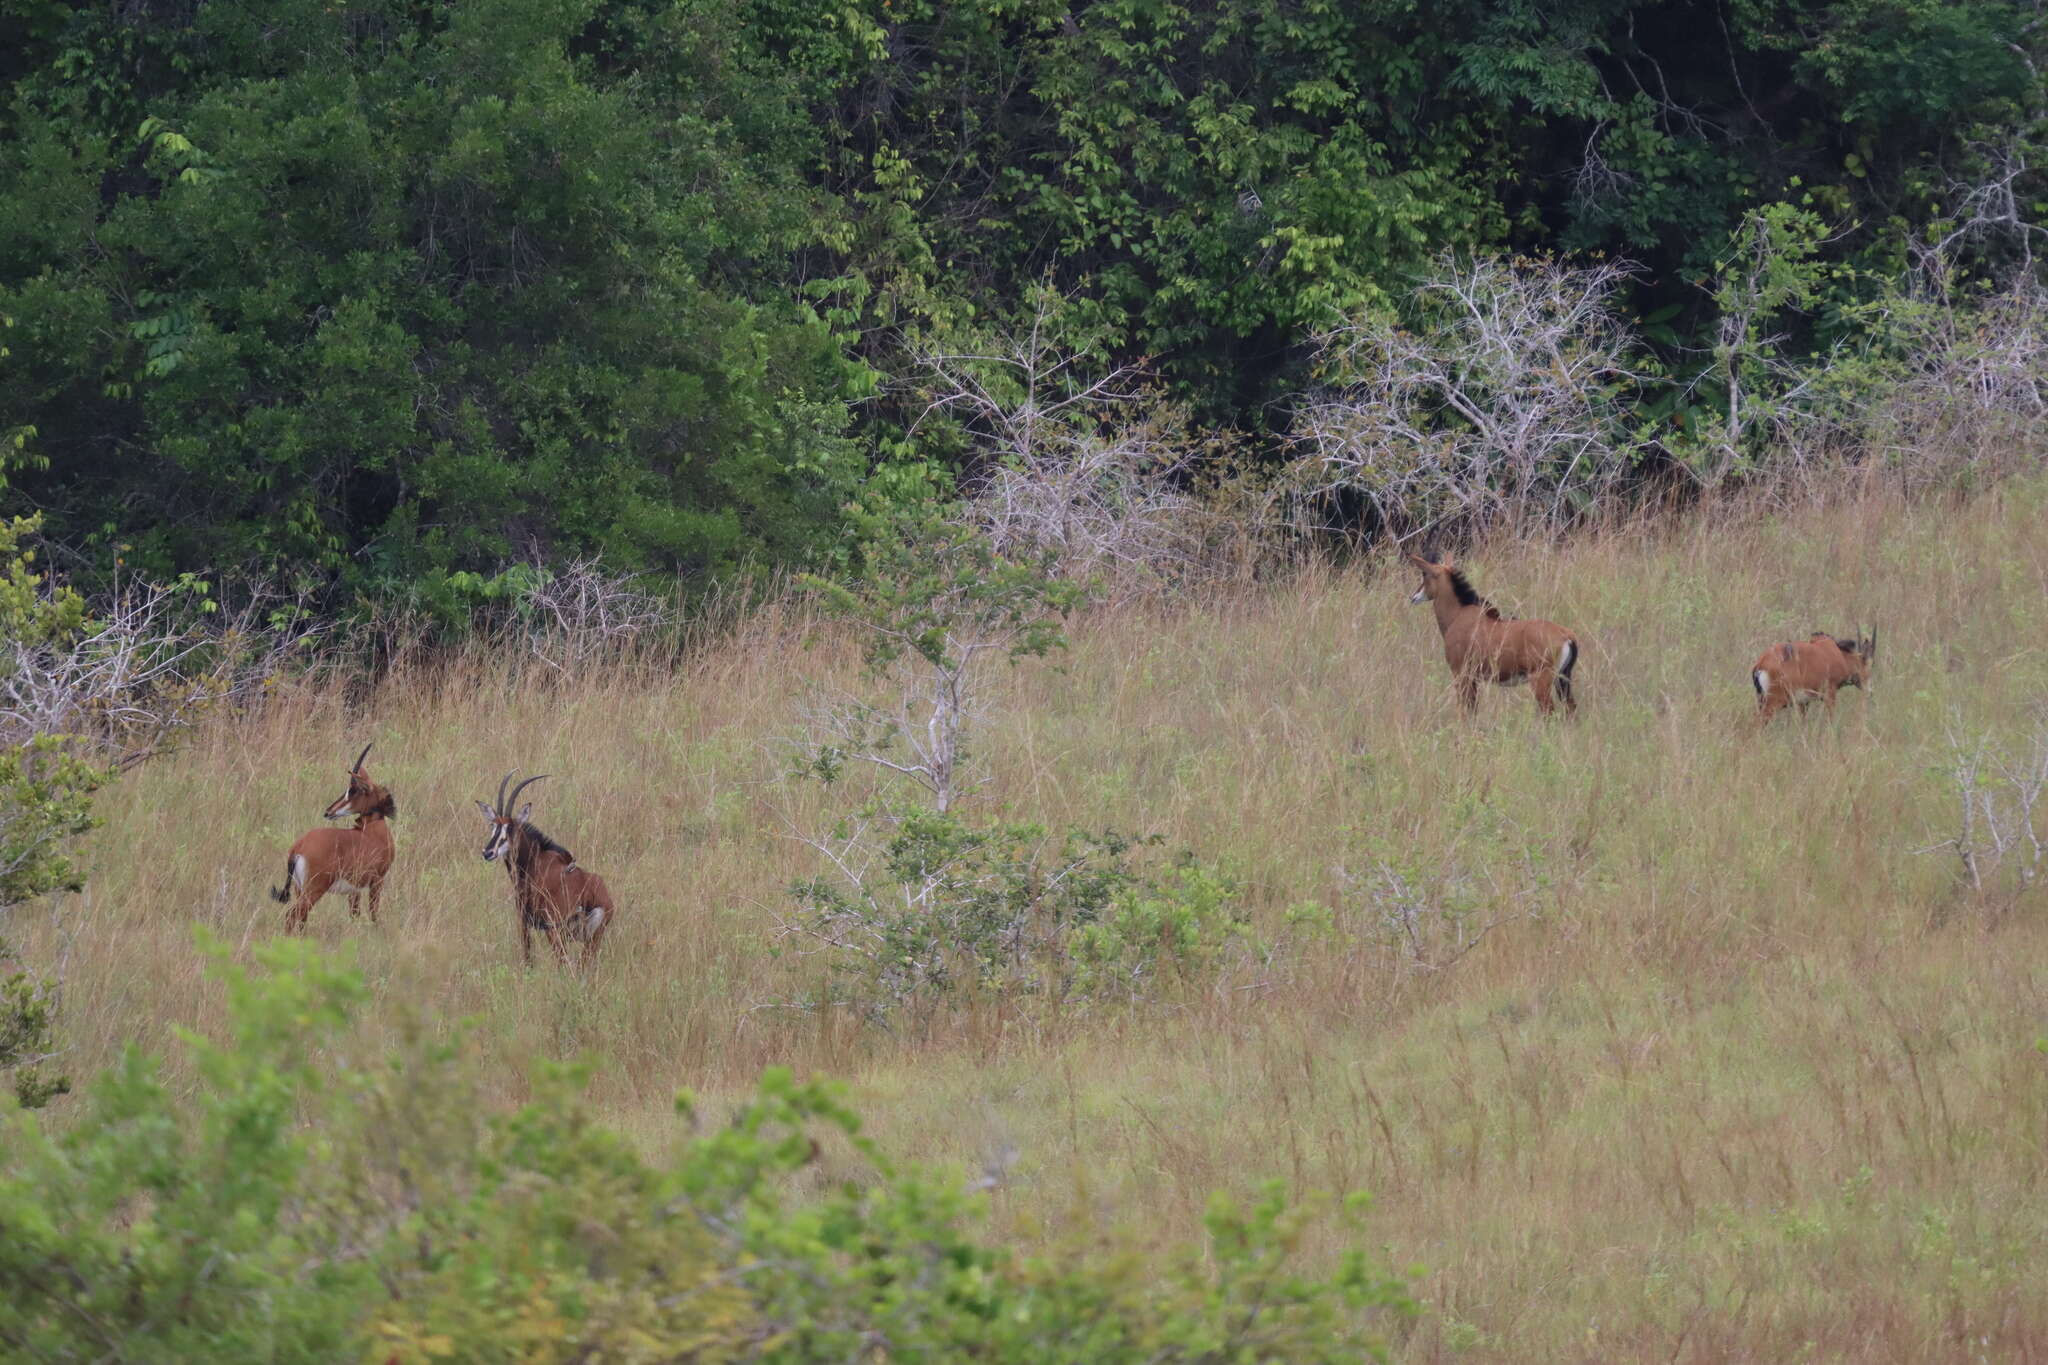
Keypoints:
pixel 1695 1052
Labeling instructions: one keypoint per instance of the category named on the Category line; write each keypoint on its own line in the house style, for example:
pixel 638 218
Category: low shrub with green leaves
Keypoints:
pixel 942 904
pixel 304 1205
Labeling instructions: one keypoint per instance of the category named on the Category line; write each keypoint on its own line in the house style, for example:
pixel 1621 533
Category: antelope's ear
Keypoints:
pixel 526 812
pixel 489 814
pixel 1419 562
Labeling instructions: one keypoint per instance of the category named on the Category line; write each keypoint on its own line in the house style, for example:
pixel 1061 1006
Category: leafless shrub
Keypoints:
pixel 1498 408
pixel 1998 844
pixel 1971 390
pixel 1989 218
pixel 921 737
pixel 147 665
pixel 1077 457
pixel 1940 377
pixel 580 614
pixel 1423 927
pixel 1111 507
pixel 1939 388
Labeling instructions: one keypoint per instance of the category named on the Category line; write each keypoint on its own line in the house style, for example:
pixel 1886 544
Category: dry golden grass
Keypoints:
pixel 1743 1078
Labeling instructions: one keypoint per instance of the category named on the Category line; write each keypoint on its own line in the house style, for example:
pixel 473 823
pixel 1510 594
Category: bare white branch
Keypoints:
pixel 146 667
pixel 1498 410
pixel 582 614
pixel 1999 846
pixel 1076 457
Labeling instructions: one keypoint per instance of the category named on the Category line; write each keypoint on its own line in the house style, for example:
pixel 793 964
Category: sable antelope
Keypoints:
pixel 549 891
pixel 352 860
pixel 1481 645
pixel 1818 666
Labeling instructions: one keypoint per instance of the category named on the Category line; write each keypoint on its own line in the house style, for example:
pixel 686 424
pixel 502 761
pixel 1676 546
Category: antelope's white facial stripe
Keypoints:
pixel 1421 595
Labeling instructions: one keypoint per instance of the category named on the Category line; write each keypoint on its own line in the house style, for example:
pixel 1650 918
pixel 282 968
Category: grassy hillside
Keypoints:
pixel 1735 1074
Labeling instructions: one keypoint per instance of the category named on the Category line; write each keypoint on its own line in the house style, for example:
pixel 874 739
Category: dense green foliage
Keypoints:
pixel 298 1208
pixel 391 291
pixel 45 802
pixel 386 295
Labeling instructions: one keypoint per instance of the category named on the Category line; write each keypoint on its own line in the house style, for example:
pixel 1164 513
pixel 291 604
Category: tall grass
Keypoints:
pixel 1736 1074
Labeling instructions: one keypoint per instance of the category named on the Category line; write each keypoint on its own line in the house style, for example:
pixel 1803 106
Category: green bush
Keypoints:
pixel 942 904
pixel 45 802
pixel 298 1207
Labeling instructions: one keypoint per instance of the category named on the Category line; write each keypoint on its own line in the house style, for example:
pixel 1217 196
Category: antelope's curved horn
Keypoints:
pixel 501 791
pixel 513 800
pixel 361 756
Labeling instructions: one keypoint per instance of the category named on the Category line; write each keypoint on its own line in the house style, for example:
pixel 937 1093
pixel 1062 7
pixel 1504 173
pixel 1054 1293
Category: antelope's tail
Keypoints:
pixel 1760 680
pixel 1567 655
pixel 284 893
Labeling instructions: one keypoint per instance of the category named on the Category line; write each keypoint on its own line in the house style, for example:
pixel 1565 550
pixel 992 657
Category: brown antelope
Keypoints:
pixel 351 861
pixel 1816 667
pixel 549 891
pixel 1481 645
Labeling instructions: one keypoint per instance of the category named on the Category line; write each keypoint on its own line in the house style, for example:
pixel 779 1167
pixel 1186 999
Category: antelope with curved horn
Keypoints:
pixel 1815 668
pixel 351 861
pixel 550 893
pixel 1481 645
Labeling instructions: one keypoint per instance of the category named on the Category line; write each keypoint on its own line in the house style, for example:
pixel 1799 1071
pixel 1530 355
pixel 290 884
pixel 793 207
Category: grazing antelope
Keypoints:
pixel 1481 645
pixel 352 860
pixel 549 892
pixel 1816 667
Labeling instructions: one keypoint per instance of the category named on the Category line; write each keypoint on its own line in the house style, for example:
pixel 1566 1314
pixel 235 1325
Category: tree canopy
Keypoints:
pixel 381 295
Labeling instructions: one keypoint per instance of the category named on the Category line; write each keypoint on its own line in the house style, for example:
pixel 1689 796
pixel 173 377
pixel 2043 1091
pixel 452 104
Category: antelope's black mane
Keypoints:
pixel 388 807
pixel 1467 595
pixel 532 842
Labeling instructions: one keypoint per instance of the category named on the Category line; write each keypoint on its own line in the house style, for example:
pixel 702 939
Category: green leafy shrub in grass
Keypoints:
pixel 302 1205
pixel 941 904
pixel 918 900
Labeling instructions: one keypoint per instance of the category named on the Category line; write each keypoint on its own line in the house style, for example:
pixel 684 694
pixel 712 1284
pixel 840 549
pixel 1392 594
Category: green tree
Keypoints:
pixel 384 292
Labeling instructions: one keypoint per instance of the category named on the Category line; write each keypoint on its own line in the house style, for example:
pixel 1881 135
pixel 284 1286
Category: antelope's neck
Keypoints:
pixel 1447 607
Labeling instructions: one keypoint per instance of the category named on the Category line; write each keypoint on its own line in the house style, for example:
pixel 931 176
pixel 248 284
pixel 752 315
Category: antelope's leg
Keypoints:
pixel 1768 705
pixel 1468 694
pixel 355 905
pixel 310 890
pixel 525 937
pixel 1539 683
pixel 376 893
